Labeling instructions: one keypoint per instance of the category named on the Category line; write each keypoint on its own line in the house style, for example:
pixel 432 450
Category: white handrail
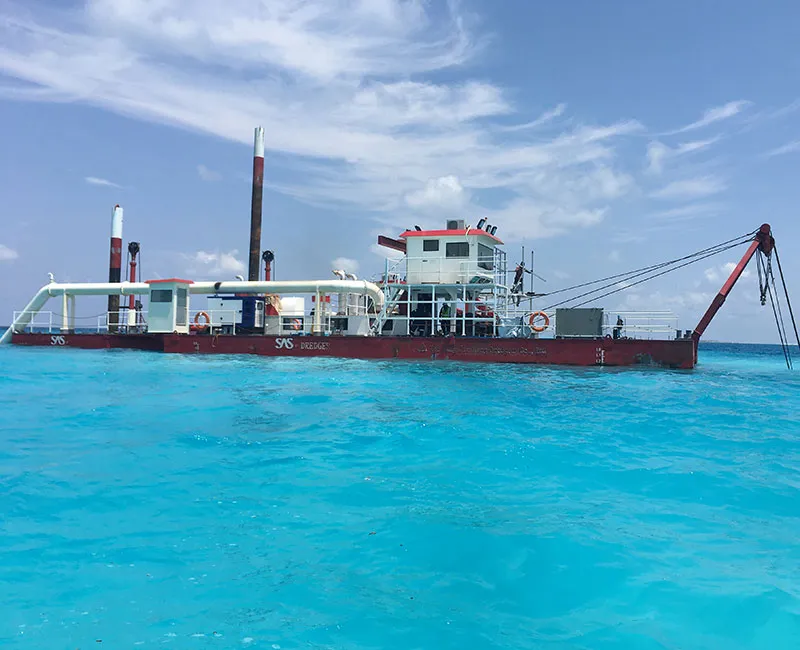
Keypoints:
pixel 33 322
pixel 362 287
pixel 48 291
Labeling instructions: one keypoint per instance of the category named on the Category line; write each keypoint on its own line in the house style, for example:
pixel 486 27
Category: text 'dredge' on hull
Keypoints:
pixel 599 352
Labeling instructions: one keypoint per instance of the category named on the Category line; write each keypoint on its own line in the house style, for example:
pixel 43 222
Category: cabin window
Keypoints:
pixel 485 257
pixel 429 245
pixel 457 249
pixel 161 295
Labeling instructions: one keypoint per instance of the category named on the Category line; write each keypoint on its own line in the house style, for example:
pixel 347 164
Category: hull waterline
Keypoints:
pixel 572 352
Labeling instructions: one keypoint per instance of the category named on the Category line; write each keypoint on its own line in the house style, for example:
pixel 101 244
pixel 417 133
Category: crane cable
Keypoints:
pixel 767 284
pixel 653 267
pixel 786 293
pixel 692 259
pixel 765 268
pixel 769 287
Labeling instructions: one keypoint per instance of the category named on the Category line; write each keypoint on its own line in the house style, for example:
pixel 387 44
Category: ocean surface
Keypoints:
pixel 233 502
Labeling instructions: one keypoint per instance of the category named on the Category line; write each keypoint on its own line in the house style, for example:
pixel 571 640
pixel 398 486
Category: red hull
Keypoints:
pixel 572 352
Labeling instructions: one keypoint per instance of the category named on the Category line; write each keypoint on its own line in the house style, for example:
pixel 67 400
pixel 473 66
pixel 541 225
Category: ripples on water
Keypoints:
pixel 200 502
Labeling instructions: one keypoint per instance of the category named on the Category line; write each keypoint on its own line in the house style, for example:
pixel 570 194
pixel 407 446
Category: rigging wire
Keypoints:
pixel 653 267
pixel 766 289
pixel 786 292
pixel 714 251
pixel 782 325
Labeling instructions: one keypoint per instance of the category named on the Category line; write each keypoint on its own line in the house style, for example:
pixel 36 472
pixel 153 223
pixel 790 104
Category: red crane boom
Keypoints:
pixel 762 241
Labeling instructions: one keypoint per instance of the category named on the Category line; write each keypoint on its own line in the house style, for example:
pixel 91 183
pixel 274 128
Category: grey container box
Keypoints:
pixel 582 322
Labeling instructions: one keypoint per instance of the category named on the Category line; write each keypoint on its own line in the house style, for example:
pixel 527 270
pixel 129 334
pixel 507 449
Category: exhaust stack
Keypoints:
pixel 255 206
pixel 133 251
pixel 115 267
pixel 268 257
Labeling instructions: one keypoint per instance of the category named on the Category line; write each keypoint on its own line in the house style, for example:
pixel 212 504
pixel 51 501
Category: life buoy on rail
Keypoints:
pixel 296 324
pixel 198 326
pixel 532 321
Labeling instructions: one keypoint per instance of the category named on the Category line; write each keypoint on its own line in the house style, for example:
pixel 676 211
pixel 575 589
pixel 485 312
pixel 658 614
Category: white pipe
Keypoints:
pixel 361 287
pixel 316 327
pixel 344 298
pixel 95 288
pixel 64 313
pixel 84 289
pixel 31 309
pixel 351 276
pixel 48 291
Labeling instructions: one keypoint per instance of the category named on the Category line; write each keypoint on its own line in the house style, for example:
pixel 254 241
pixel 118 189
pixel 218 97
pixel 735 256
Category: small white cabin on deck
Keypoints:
pixel 169 306
pixel 456 255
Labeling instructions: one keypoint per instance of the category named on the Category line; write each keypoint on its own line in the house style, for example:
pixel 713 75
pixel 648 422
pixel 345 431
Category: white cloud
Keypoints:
pixel 719 273
pixel 102 182
pixel 730 266
pixel 525 218
pixel 7 254
pixel 658 153
pixel 203 263
pixel 716 114
pixel 691 188
pixel 791 147
pixel 613 256
pixel 783 111
pixel 386 253
pixel 444 193
pixel 688 212
pixel 630 236
pixel 207 174
pixel 345 264
pixel 560 202
pixel 659 300
pixel 344 89
pixel 695 145
pixel 544 118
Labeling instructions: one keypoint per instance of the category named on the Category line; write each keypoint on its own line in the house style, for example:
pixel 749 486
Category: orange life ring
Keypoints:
pixel 538 328
pixel 197 324
pixel 296 325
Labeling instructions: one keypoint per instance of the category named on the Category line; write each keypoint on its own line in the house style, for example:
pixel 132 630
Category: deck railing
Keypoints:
pixel 480 321
pixel 127 321
pixel 488 269
pixel 40 321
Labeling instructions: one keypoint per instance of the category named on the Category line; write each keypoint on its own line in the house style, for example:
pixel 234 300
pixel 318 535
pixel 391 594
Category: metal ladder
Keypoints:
pixel 388 305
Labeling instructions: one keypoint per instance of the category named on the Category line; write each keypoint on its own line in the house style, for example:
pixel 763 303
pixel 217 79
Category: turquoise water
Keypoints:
pixel 209 502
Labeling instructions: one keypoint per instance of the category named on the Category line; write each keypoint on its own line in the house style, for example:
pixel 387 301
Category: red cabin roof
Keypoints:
pixel 472 232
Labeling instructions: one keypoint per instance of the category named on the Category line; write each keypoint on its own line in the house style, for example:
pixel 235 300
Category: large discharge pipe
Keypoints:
pixel 255 206
pixel 53 289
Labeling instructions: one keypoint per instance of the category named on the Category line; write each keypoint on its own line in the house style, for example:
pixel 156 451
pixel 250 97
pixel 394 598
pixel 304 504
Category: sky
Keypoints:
pixel 604 136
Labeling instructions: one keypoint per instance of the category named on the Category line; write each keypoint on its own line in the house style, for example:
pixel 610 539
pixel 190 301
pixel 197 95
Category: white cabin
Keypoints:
pixel 456 255
pixel 169 306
